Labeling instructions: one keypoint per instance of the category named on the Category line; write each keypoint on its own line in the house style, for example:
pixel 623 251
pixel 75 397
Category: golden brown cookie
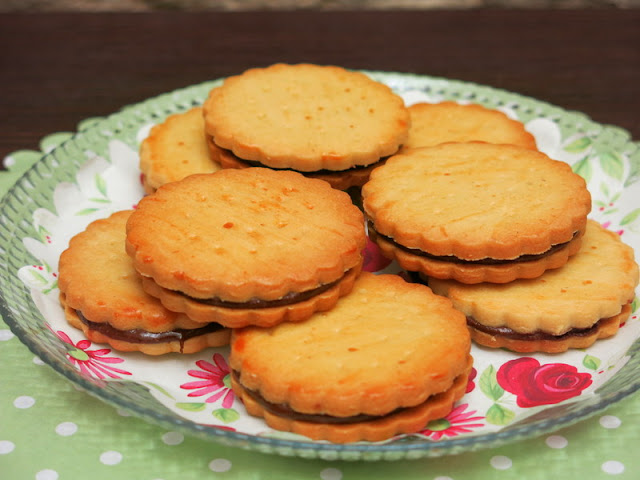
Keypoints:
pixel 102 295
pixel 476 212
pixel 436 123
pixel 570 307
pixel 309 118
pixel 252 246
pixel 174 149
pixel 387 359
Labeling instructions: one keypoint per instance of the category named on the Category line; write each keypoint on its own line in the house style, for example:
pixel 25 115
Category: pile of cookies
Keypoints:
pixel 248 237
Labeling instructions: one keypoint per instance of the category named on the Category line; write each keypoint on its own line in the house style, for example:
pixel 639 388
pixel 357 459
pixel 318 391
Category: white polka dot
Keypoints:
pixel 37 361
pixel 612 467
pixel 220 465
pixel 331 474
pixel 111 457
pixel 6 335
pixel 500 462
pixel 24 402
pixel 66 429
pixel 6 447
pixel 610 421
pixel 173 438
pixel 556 441
pixel 47 475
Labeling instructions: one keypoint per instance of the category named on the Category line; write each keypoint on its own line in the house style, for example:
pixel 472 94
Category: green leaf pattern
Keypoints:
pixel 42 277
pixel 226 415
pixel 583 168
pixel 630 217
pixel 579 145
pixel 497 414
pixel 489 384
pixel 103 200
pixel 612 167
pixel 191 406
pixel 612 164
pixel 591 362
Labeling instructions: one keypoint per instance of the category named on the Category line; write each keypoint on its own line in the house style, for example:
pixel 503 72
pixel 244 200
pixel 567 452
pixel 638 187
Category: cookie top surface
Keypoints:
pixel 306 117
pixel 387 344
pixel 436 123
pixel 96 276
pixel 592 285
pixel 476 200
pixel 175 149
pixel 239 234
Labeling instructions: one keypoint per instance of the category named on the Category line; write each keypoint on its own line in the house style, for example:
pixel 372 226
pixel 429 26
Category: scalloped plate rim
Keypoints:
pixel 241 440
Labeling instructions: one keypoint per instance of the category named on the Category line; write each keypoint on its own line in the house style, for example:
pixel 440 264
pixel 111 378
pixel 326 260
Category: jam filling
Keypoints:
pixel 254 163
pixel 137 335
pixel 533 336
pixel 482 261
pixel 255 302
pixel 284 410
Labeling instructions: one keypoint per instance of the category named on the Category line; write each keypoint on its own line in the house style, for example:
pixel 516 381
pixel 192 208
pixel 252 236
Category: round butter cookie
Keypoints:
pixel 174 149
pixel 570 307
pixel 436 123
pixel 322 121
pixel 387 359
pixel 476 212
pixel 247 247
pixel 101 294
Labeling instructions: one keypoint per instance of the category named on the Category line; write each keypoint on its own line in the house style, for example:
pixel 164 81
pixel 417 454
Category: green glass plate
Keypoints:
pixel 94 172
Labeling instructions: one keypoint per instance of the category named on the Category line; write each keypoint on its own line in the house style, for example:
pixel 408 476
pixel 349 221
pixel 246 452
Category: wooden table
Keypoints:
pixel 58 69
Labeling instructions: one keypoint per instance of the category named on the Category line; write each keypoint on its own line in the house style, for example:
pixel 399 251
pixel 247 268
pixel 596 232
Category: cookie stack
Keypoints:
pixel 502 230
pixel 102 295
pixel 247 238
pixel 324 122
pixel 276 257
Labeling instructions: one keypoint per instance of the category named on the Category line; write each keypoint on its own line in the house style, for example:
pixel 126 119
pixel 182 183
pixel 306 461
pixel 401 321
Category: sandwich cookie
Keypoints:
pixel 102 295
pixel 570 307
pixel 476 212
pixel 387 359
pixel 247 247
pixel 174 149
pixel 322 121
pixel 436 123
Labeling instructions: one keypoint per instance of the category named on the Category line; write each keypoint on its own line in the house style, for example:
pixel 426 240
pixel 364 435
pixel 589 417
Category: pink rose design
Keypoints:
pixel 535 384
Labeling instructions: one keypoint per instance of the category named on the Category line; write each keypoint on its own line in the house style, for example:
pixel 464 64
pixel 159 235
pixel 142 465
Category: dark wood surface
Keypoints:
pixel 57 69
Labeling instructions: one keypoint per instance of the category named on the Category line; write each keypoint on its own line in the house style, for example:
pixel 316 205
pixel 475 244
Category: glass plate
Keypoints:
pixel 95 172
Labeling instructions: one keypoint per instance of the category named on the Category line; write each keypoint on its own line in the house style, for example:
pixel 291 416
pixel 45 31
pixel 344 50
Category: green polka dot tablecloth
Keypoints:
pixel 51 429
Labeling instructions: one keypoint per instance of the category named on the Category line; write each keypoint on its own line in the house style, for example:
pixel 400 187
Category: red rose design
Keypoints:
pixel 535 384
pixel 373 258
pixel 470 383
